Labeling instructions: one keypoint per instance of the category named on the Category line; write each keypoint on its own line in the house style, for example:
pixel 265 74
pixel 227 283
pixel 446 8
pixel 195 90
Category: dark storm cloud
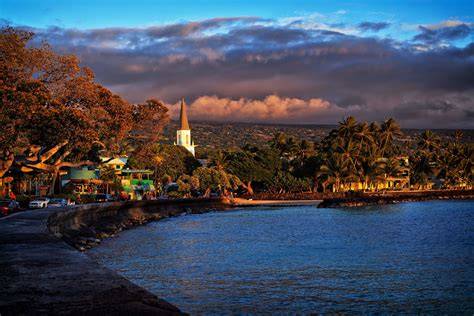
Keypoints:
pixel 267 34
pixel 254 58
pixel 449 33
pixel 435 113
pixel 373 26
pixel 352 100
pixel 416 108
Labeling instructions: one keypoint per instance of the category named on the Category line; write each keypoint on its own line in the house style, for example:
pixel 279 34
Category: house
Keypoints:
pixel 83 180
pixel 136 182
pixel 117 163
pixel 87 180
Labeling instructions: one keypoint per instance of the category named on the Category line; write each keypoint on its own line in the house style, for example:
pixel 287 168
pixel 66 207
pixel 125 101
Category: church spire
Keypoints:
pixel 183 117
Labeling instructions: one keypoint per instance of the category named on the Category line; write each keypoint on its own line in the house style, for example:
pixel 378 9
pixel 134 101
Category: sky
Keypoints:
pixel 306 62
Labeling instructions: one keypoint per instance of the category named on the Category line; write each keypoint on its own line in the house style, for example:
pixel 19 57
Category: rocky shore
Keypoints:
pixel 83 231
pixel 396 197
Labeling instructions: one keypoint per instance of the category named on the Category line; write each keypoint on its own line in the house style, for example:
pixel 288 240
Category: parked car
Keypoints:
pixel 8 207
pixel 57 203
pixel 39 203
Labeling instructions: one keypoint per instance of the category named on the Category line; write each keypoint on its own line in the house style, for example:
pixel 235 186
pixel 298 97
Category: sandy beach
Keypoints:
pixel 246 202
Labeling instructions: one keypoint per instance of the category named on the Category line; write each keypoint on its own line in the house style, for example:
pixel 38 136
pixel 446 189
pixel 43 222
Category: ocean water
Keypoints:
pixel 406 258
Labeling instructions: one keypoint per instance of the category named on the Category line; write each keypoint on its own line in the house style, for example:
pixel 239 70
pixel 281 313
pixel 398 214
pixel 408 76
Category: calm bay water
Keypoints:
pixel 403 258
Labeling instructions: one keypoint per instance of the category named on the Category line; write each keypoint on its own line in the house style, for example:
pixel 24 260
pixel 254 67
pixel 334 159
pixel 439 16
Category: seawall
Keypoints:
pixel 42 273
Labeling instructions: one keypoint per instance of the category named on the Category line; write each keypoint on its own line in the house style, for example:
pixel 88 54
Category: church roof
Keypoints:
pixel 183 117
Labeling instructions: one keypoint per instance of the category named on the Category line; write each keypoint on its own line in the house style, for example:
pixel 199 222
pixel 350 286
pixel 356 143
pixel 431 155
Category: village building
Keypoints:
pixel 87 180
pixel 183 134
pixel 117 163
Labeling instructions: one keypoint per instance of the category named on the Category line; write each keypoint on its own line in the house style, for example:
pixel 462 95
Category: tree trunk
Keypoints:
pixel 5 164
pixel 53 182
pixel 249 187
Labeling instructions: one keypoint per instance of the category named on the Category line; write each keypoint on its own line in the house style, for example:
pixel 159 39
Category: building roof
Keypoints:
pixel 114 161
pixel 183 117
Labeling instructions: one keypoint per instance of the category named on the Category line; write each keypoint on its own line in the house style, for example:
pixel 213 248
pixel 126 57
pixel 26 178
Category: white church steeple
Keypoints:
pixel 183 134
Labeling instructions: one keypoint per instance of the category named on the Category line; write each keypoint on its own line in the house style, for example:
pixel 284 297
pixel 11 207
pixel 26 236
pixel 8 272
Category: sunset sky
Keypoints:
pixel 273 61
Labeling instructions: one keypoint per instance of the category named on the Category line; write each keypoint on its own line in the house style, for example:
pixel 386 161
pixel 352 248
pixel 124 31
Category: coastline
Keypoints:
pixel 396 197
pixel 43 273
pixel 85 237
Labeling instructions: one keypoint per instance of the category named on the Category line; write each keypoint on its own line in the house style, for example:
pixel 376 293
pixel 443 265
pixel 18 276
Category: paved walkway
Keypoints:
pixel 40 274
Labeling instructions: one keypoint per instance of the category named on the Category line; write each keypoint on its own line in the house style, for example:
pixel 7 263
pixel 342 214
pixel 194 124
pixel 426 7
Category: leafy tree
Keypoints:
pixel 164 159
pixel 188 185
pixel 52 112
pixel 212 179
pixel 253 165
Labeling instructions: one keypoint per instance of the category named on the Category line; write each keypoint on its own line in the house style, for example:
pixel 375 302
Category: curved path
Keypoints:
pixel 41 274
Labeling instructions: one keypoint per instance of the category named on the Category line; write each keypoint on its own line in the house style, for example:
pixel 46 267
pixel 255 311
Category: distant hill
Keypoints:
pixel 212 135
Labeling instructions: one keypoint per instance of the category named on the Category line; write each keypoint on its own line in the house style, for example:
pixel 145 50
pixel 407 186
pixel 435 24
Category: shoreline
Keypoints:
pixel 86 238
pixel 396 197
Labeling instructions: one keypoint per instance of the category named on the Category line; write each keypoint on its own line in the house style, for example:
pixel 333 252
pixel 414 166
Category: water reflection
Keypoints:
pixel 404 258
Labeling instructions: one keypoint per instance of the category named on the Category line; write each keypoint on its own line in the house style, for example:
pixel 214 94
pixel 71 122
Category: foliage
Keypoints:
pixel 108 174
pixel 164 159
pixel 215 180
pixel 54 115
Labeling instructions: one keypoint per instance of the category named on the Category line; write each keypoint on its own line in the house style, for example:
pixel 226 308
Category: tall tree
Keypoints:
pixel 52 112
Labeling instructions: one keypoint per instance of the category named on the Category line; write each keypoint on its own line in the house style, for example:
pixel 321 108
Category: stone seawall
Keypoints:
pixel 41 274
pixel 83 229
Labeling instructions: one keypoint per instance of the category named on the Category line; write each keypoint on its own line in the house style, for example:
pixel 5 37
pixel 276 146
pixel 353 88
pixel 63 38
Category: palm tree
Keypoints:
pixel 370 171
pixel 391 167
pixel 421 169
pixel 389 131
pixel 334 170
pixel 448 168
pixel 364 136
pixel 429 142
pixel 348 152
pixel 347 128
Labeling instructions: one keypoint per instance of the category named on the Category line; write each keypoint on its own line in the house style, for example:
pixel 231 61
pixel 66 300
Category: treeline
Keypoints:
pixel 354 156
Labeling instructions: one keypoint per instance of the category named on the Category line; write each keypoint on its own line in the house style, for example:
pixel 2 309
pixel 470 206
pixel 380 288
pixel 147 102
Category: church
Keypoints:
pixel 183 134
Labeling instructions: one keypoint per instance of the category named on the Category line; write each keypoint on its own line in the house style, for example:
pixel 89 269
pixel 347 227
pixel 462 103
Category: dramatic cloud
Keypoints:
pixel 255 69
pixel 270 109
pixel 444 32
pixel 373 26
pixel 275 109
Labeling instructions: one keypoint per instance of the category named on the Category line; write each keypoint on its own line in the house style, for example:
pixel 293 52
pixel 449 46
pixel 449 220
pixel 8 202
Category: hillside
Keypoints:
pixel 213 135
